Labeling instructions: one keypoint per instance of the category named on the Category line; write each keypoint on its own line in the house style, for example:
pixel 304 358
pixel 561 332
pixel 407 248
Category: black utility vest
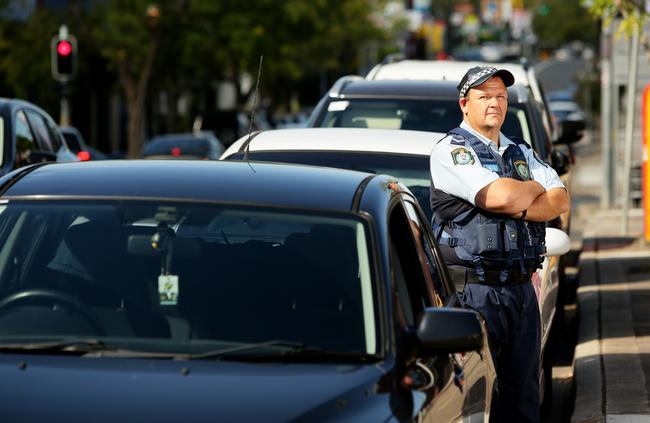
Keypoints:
pixel 477 238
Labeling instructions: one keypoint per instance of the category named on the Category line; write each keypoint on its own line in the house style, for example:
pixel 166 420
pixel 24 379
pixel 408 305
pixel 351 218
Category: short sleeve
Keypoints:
pixel 456 170
pixel 542 172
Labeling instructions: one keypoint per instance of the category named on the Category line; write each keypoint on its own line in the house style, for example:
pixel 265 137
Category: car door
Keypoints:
pixel 474 369
pixel 439 396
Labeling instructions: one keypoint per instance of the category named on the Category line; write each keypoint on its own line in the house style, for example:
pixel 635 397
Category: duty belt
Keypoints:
pixel 491 277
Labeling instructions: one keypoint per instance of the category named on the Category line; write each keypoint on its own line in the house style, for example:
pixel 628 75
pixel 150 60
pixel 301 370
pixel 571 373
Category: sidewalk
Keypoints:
pixel 612 355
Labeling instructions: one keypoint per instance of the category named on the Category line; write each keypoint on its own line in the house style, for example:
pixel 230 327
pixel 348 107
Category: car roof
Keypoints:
pixel 440 70
pixel 411 89
pixel 340 139
pixel 238 182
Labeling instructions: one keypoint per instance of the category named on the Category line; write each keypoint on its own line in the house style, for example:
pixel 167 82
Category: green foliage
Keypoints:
pixel 558 21
pixel 632 11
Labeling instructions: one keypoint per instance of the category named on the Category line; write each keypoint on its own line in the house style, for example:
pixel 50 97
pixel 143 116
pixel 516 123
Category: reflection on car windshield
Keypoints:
pixel 187 278
pixel 431 115
pixel 412 170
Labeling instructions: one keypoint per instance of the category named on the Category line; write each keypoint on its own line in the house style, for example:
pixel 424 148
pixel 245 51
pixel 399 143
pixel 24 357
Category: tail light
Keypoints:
pixel 176 151
pixel 83 156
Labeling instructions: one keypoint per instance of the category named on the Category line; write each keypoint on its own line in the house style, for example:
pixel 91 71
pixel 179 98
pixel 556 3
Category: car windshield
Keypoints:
pixel 184 277
pixel 431 115
pixel 412 170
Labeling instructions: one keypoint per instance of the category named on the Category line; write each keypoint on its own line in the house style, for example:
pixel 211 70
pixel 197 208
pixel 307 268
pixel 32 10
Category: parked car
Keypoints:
pixel 76 143
pixel 449 70
pixel 405 155
pixel 426 106
pixel 202 145
pixel 29 135
pixel 150 292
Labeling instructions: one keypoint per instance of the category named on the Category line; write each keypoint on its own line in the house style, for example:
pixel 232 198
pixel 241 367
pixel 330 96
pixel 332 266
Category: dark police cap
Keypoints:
pixel 479 74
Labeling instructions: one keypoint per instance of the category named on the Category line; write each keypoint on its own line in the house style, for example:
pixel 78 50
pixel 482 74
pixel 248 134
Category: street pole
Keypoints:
pixel 606 115
pixel 630 112
pixel 64 116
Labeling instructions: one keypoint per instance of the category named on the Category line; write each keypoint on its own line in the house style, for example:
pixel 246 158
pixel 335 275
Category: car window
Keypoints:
pixel 55 134
pixel 438 291
pixel 43 137
pixel 412 293
pixel 420 115
pixel 170 276
pixel 25 140
pixel 72 141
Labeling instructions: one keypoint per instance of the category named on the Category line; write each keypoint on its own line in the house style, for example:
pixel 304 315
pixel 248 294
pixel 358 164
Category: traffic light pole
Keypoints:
pixel 64 116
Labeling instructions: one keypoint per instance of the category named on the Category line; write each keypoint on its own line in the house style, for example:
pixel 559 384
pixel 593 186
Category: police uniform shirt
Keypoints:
pixel 456 169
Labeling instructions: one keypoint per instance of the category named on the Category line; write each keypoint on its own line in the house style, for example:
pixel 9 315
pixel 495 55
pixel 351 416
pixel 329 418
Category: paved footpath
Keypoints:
pixel 611 363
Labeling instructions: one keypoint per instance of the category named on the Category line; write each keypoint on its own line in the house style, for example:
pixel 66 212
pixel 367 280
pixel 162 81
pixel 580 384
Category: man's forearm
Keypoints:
pixel 548 205
pixel 508 196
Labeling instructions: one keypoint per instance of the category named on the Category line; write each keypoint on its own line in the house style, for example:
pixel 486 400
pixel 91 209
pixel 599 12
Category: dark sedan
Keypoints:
pixel 228 291
pixel 29 135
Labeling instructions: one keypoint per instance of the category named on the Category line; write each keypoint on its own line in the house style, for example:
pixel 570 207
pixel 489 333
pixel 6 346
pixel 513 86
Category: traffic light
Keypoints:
pixel 64 55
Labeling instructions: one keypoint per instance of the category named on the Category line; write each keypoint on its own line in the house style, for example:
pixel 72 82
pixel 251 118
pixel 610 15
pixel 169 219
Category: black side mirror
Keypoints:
pixel 571 131
pixel 449 330
pixel 40 157
pixel 560 162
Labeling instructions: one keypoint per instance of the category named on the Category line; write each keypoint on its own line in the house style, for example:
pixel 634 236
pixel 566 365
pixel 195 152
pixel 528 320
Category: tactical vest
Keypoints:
pixel 480 239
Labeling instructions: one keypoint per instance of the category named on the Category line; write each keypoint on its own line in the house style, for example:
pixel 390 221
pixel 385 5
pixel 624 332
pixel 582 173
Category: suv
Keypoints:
pixel 448 70
pixel 426 106
pixel 29 135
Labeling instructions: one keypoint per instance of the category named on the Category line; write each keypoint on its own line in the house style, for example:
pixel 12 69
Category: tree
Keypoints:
pixel 633 12
pixel 129 33
pixel 557 21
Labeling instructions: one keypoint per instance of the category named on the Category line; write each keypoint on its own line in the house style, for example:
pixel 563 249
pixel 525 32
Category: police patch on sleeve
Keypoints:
pixel 522 169
pixel 462 156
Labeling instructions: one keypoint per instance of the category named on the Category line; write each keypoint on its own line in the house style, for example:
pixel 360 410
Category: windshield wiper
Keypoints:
pixel 77 346
pixel 278 350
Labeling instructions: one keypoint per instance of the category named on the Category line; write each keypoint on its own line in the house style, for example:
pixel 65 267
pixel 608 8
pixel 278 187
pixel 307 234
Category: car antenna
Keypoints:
pixel 250 126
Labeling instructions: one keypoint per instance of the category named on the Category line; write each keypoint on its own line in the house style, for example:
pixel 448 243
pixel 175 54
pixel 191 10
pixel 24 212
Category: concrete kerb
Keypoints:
pixel 587 358
pixel 604 310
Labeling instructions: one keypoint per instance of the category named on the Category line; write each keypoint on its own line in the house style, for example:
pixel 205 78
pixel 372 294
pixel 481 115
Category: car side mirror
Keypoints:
pixel 571 131
pixel 40 157
pixel 449 330
pixel 557 242
pixel 560 162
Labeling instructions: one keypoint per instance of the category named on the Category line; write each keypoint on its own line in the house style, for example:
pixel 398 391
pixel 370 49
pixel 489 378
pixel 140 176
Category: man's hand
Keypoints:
pixel 508 196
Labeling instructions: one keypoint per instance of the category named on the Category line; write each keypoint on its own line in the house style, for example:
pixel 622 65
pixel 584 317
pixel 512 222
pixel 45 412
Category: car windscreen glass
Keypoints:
pixel 72 141
pixel 186 146
pixel 431 115
pixel 187 278
pixel 412 170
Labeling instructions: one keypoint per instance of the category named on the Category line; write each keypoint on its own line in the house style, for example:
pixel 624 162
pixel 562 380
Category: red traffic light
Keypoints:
pixel 64 48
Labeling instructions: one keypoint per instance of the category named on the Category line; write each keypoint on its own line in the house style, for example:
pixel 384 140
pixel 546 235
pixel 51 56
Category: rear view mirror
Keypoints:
pixel 140 245
pixel 557 242
pixel 445 330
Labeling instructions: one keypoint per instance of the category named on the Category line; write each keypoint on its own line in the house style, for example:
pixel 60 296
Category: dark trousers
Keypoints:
pixel 513 324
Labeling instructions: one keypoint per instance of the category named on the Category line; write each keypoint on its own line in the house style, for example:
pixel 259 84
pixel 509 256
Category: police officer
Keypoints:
pixel 490 197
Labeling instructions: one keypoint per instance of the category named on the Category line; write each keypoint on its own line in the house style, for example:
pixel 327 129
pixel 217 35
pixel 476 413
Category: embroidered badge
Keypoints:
pixel 522 169
pixel 462 156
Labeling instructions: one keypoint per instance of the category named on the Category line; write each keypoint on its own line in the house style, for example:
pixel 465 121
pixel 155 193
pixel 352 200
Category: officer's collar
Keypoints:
pixel 504 142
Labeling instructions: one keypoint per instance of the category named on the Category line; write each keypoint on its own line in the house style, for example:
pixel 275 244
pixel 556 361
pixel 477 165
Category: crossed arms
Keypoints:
pixel 511 197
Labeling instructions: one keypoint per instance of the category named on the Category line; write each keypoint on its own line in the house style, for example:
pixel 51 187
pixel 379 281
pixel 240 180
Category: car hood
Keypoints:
pixel 56 388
